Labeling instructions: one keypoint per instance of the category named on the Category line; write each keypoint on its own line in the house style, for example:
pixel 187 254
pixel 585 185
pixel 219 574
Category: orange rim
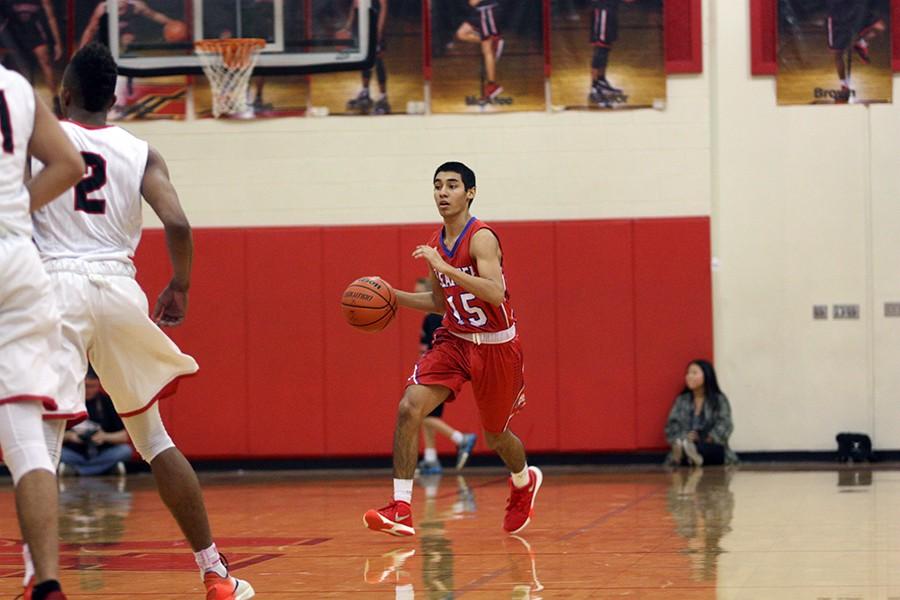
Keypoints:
pixel 236 52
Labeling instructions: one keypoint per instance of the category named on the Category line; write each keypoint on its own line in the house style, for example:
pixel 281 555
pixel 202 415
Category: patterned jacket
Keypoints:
pixel 719 424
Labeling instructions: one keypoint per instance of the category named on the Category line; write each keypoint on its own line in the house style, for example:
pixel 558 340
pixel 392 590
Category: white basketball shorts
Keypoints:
pixel 105 321
pixel 29 325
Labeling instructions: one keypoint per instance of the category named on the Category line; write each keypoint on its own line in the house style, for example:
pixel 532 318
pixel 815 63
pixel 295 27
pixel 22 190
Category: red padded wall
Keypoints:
pixel 672 314
pixel 285 330
pixel 610 312
pixel 594 283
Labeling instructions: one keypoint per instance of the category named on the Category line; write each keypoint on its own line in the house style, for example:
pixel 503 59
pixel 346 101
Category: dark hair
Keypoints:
pixel 467 174
pixel 91 374
pixel 711 390
pixel 91 76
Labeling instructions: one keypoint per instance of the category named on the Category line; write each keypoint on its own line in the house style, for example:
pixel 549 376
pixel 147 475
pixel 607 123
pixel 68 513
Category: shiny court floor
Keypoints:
pixel 741 534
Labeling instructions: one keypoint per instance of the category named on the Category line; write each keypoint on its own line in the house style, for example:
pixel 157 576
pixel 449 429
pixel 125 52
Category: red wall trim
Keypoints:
pixel 764 36
pixel 684 36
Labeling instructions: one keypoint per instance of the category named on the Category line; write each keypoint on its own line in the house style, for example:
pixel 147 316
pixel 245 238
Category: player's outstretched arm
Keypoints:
pixel 93 25
pixel 485 249
pixel 160 194
pixel 63 165
pixel 144 10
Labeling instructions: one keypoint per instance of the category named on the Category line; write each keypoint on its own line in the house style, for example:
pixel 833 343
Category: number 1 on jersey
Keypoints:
pixel 6 126
pixel 94 179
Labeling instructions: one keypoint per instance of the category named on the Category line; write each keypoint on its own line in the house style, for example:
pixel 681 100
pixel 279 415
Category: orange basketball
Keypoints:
pixel 345 37
pixel 369 304
pixel 175 31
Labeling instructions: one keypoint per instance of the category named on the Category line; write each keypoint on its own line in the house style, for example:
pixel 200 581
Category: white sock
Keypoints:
pixel 403 490
pixel 404 592
pixel 29 564
pixel 845 82
pixel 521 478
pixel 457 437
pixel 209 560
pixel 862 43
pixel 430 455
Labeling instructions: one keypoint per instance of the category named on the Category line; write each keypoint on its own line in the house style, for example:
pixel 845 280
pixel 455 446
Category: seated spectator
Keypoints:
pixel 699 423
pixel 99 444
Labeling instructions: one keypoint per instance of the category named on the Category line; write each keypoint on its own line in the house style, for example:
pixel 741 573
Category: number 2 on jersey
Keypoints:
pixel 478 317
pixel 94 179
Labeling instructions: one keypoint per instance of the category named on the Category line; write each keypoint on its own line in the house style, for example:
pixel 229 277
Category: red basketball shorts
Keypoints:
pixel 495 370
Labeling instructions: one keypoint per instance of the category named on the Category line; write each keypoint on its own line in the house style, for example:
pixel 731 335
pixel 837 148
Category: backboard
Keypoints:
pixel 302 36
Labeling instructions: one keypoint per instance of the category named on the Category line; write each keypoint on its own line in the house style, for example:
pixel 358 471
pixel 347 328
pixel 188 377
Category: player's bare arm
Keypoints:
pixel 54 29
pixel 64 166
pixel 93 25
pixel 485 249
pixel 382 18
pixel 160 194
pixel 142 9
pixel 429 302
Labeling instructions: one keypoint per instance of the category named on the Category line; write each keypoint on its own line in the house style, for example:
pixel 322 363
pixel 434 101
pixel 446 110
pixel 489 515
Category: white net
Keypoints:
pixel 228 65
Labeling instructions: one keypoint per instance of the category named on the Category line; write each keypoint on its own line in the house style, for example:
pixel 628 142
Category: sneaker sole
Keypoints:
pixel 376 522
pixel 539 476
pixel 243 591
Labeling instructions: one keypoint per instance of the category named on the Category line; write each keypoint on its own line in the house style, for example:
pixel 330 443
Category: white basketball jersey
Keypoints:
pixel 16 126
pixel 99 218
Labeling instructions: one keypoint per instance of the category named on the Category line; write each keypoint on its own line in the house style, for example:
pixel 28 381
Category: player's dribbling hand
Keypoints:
pixel 430 255
pixel 171 306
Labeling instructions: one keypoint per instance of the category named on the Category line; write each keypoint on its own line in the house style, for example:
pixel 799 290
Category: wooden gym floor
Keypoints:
pixel 791 533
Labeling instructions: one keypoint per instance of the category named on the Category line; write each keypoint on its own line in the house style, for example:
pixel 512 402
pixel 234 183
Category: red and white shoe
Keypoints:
pixel 862 50
pixel 393 519
pixel 226 588
pixel 492 90
pixel 29 590
pixel 520 505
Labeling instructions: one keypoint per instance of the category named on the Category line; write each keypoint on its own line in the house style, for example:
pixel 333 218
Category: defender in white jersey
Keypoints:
pixel 87 239
pixel 29 321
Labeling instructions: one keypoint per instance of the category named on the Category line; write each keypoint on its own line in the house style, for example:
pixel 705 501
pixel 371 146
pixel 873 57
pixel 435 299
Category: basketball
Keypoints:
pixel 175 31
pixel 369 304
pixel 344 36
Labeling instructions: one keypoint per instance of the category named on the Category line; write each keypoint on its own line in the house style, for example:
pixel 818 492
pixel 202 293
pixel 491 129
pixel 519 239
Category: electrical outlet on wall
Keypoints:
pixel 845 311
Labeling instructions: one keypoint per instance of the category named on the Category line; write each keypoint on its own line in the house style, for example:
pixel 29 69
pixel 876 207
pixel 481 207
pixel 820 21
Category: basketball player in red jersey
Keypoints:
pixel 477 342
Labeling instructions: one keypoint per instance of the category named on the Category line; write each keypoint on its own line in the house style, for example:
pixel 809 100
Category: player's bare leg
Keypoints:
pixel 524 481
pixel 417 401
pixel 509 448
pixel 36 503
pixel 395 518
pixel 180 491
pixel 861 46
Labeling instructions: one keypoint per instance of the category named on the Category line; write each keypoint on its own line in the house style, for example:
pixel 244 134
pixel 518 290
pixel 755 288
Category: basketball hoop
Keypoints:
pixel 228 64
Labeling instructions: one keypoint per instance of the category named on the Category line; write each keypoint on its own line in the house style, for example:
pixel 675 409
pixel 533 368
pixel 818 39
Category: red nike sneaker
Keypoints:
pixel 520 506
pixel 393 519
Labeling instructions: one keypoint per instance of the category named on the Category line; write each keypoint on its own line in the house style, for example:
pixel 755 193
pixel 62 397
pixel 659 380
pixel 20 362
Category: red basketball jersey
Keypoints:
pixel 465 313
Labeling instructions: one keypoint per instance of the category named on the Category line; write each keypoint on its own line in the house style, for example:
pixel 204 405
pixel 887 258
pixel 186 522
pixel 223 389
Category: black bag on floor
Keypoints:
pixel 855 447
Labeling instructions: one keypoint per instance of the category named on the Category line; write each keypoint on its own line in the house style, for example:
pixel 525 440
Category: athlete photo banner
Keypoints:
pixel 487 56
pixel 834 52
pixel 607 54
pixel 396 82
